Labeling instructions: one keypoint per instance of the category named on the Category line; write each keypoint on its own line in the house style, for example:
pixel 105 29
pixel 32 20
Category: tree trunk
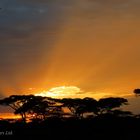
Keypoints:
pixel 23 115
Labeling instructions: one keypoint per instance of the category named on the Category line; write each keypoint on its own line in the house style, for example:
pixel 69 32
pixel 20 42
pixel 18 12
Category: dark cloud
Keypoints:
pixel 27 31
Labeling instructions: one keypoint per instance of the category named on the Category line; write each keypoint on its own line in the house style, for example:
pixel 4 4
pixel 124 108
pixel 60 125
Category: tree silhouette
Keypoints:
pixel 15 102
pixel 26 104
pixel 35 106
pixel 87 105
pixel 107 104
pixel 79 106
pixel 137 92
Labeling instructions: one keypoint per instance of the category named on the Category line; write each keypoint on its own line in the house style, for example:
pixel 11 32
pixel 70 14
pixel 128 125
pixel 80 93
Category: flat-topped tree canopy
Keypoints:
pixel 137 91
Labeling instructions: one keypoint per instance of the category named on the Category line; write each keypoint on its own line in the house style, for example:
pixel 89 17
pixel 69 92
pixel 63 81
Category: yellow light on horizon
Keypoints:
pixel 60 92
pixel 9 116
pixel 75 92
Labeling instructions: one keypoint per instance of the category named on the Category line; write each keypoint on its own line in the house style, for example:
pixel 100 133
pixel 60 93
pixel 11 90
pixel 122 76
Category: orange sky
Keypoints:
pixel 93 45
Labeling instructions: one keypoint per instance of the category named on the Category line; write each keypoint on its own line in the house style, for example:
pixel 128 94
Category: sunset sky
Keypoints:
pixel 92 45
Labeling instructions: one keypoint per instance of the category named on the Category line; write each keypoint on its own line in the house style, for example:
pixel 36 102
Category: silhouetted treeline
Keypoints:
pixel 38 107
pixel 76 118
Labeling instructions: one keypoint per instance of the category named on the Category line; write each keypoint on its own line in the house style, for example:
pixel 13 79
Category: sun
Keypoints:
pixel 60 92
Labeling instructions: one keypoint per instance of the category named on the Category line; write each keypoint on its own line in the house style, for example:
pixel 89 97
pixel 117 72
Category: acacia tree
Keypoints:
pixel 15 102
pixel 32 106
pixel 39 107
pixel 87 105
pixel 137 92
pixel 26 105
pixel 35 106
pixel 79 106
pixel 106 105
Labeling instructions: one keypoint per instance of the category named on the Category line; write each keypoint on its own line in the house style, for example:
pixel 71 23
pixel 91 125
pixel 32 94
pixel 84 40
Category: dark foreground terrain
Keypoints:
pixel 120 128
pixel 85 118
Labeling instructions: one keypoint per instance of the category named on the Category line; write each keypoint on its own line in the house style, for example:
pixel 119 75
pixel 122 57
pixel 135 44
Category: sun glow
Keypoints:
pixel 61 92
pixel 75 92
pixel 9 116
